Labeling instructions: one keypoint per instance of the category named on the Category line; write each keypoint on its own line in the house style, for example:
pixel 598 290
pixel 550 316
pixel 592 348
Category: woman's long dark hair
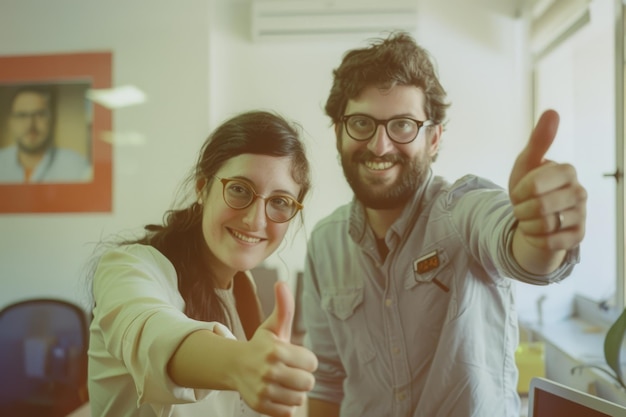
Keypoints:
pixel 180 237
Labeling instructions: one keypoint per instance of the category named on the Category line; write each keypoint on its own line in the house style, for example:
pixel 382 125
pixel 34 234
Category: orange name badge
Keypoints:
pixel 427 263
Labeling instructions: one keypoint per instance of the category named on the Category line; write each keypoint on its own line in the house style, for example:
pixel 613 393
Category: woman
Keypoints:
pixel 177 327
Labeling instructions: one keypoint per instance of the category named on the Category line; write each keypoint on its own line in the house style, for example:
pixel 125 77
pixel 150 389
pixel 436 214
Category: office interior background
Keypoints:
pixel 199 63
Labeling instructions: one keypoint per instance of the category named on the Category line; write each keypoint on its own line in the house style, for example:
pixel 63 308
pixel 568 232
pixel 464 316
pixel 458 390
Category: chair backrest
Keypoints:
pixel 265 278
pixel 43 356
pixel 297 327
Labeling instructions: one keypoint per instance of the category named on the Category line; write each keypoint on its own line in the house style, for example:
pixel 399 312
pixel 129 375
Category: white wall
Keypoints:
pixel 163 51
pixel 195 56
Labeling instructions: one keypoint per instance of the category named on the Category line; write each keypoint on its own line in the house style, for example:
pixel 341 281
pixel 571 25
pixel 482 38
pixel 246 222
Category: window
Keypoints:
pixel 575 74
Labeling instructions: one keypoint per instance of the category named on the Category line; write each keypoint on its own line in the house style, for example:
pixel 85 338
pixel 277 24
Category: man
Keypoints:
pixel 408 297
pixel 34 158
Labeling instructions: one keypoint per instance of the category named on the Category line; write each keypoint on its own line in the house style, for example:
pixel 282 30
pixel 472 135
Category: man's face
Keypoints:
pixel 384 174
pixel 30 122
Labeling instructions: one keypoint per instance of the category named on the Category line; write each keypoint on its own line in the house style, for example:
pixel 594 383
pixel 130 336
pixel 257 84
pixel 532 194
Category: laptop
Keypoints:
pixel 547 398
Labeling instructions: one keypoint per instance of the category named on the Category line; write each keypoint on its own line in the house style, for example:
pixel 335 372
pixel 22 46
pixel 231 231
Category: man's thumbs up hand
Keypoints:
pixel 548 201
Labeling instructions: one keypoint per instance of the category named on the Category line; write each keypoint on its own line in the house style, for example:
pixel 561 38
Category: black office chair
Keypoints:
pixel 43 358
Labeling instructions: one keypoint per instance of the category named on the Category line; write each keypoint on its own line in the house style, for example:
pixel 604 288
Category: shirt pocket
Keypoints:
pixel 431 267
pixel 343 304
pixel 432 283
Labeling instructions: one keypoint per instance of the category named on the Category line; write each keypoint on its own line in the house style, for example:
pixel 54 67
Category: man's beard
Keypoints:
pixel 412 176
pixel 35 149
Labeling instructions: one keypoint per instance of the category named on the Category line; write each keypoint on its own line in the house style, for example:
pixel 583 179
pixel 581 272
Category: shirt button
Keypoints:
pixel 400 396
pixel 395 350
pixel 388 302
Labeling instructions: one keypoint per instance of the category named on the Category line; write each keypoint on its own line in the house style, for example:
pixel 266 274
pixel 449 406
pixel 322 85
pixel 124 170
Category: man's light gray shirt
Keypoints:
pixel 432 329
pixel 57 166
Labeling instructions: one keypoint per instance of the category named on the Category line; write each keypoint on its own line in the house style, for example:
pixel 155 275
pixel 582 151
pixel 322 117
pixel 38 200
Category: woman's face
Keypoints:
pixel 240 240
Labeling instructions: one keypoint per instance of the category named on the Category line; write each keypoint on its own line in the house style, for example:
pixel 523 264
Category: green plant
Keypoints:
pixel 612 351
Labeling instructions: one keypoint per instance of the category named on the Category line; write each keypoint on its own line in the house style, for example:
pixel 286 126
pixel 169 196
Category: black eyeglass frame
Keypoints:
pixel 256 196
pixel 385 122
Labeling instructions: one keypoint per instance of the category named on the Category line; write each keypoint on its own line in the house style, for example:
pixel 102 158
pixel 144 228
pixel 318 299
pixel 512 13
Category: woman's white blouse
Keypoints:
pixel 138 323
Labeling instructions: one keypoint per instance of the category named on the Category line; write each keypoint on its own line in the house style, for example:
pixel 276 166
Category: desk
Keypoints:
pixel 85 411
pixel 574 342
pixel 82 411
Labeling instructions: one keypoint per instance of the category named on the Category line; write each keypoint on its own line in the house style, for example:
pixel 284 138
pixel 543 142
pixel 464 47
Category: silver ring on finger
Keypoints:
pixel 559 221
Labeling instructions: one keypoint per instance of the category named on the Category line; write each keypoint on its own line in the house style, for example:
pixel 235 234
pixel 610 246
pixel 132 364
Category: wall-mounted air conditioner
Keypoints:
pixel 299 19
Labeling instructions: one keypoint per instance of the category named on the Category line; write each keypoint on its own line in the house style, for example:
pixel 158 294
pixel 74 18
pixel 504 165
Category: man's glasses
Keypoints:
pixel 402 130
pixel 239 194
pixel 24 115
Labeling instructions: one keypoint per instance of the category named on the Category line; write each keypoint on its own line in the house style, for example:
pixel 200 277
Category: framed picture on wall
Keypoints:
pixel 55 156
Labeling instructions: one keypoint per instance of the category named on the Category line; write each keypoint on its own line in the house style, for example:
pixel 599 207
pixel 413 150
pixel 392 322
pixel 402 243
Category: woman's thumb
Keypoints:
pixel 279 322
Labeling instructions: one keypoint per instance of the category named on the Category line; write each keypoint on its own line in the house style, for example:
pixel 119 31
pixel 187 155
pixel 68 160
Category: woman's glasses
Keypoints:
pixel 239 194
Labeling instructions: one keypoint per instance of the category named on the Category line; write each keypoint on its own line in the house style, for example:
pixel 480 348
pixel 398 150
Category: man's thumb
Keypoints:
pixel 279 322
pixel 542 137
pixel 533 155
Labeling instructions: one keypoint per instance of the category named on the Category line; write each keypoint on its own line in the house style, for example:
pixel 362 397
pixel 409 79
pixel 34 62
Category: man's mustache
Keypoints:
pixel 368 156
